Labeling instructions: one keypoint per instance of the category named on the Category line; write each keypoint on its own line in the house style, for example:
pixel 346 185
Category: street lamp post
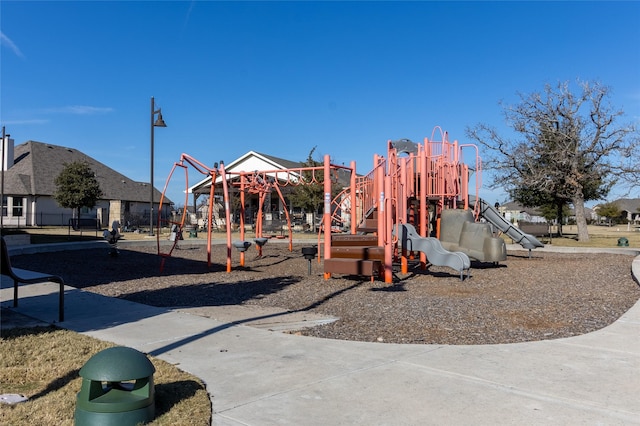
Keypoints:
pixel 157 123
pixel 4 161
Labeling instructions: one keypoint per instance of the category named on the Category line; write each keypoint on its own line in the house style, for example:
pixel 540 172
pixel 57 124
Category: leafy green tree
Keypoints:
pixel 310 194
pixel 77 187
pixel 550 212
pixel 554 210
pixel 609 210
pixel 568 148
pixel 550 207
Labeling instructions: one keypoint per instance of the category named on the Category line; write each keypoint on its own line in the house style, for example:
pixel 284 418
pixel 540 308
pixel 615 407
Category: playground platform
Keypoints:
pixel 261 377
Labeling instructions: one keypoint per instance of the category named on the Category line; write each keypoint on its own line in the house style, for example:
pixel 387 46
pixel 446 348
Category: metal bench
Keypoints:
pixel 535 229
pixel 8 271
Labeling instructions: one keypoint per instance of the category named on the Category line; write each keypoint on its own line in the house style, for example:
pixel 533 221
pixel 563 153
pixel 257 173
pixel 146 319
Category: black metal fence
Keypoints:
pixel 130 221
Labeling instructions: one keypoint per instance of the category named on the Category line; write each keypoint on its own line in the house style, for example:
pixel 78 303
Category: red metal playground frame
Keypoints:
pixel 411 185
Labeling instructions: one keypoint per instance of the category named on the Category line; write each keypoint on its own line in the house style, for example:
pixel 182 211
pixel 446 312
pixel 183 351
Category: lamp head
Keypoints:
pixel 160 122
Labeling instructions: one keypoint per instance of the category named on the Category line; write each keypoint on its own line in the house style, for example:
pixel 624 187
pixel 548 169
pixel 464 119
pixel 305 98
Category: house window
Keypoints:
pixel 17 207
pixel 5 212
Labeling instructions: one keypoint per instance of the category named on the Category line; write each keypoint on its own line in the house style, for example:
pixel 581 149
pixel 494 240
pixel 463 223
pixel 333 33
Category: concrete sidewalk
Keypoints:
pixel 261 377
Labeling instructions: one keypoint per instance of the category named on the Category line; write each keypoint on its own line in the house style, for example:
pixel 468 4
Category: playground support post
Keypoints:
pixel 478 177
pixel 387 231
pixel 210 215
pixel 424 213
pixel 242 213
pixel 353 198
pixel 379 185
pixel 173 223
pixel 227 214
pixel 286 214
pixel 404 191
pixel 258 224
pixel 327 211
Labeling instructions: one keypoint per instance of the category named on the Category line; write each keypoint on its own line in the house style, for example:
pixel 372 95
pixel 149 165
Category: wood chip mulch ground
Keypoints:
pixel 547 296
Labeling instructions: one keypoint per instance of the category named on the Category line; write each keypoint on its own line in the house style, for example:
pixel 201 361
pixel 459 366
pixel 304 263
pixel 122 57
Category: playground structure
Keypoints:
pixel 414 207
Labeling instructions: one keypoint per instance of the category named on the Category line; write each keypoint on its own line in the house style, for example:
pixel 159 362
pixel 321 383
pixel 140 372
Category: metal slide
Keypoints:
pixel 409 239
pixel 494 217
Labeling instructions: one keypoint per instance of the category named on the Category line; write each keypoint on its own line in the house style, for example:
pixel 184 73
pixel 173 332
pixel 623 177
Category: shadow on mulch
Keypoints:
pixel 210 294
pixel 96 266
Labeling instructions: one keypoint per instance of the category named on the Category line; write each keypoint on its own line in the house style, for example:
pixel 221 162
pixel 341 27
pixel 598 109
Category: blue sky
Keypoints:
pixel 285 77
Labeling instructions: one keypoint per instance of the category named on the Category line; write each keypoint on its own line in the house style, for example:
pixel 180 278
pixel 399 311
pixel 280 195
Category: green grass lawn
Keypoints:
pixel 42 363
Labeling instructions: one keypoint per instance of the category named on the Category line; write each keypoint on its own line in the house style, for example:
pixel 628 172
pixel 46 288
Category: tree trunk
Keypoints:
pixel 581 221
pixel 559 217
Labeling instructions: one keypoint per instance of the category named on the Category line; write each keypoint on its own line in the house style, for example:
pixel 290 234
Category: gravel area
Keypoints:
pixel 547 296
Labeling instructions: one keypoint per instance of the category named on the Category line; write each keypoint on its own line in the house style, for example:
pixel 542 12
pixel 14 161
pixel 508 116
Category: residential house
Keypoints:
pixel 514 212
pixel 28 185
pixel 629 209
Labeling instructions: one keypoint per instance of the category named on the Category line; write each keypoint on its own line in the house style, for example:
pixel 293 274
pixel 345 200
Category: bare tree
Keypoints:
pixel 567 148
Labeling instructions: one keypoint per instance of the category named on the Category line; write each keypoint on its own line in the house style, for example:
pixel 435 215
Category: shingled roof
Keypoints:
pixel 287 164
pixel 37 165
pixel 631 205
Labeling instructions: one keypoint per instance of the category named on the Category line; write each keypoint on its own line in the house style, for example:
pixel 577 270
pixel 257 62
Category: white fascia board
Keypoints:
pixel 250 162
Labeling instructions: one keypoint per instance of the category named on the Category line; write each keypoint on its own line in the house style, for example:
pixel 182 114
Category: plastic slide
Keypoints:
pixel 494 217
pixel 409 239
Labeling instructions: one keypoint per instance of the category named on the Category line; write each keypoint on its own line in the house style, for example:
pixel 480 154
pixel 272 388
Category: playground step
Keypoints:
pixel 358 252
pixel 351 266
pixel 353 240
pixel 368 225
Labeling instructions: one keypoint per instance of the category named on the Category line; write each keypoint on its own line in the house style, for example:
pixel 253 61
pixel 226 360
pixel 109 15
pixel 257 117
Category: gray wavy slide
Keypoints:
pixel 492 215
pixel 409 239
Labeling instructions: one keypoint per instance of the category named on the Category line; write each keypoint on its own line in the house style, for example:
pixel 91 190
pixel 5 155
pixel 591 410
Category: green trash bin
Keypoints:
pixel 623 242
pixel 117 389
